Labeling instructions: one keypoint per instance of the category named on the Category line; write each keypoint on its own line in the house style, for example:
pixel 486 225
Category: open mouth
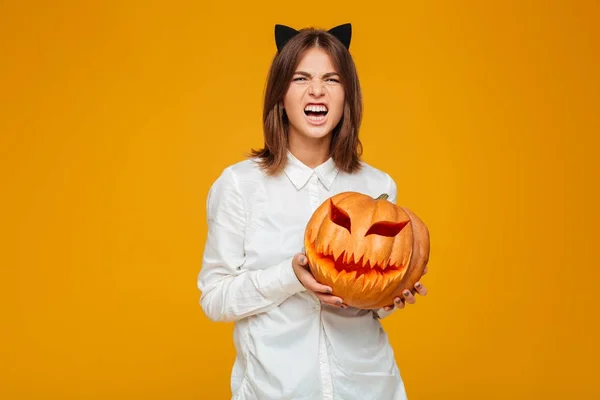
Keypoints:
pixel 347 263
pixel 359 282
pixel 316 112
pixel 363 274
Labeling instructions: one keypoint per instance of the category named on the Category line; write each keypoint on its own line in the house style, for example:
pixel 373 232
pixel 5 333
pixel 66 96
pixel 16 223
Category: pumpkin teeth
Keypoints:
pixel 364 273
pixel 337 256
pixel 339 276
pixel 351 276
pixel 370 280
pixel 374 281
pixel 360 262
pixel 360 282
pixel 346 258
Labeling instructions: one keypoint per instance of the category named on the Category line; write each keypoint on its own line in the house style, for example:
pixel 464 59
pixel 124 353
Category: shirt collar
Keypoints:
pixel 299 173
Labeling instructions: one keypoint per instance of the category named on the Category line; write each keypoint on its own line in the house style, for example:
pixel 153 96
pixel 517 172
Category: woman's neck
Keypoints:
pixel 311 152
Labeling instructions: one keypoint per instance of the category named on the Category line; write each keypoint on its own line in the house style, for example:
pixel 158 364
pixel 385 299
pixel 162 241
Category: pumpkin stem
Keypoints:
pixel 383 196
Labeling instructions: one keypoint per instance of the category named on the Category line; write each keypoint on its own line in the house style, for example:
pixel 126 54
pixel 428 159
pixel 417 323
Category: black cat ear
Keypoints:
pixel 343 33
pixel 283 34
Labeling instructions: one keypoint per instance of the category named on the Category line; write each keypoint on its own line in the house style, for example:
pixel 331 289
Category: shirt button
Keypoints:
pixel 317 307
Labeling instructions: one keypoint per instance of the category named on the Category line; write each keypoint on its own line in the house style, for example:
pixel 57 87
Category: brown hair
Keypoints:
pixel 346 147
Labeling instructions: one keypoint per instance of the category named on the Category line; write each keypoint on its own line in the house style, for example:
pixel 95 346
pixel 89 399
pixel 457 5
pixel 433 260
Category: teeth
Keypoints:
pixel 361 262
pixel 315 108
pixel 336 254
pixel 348 258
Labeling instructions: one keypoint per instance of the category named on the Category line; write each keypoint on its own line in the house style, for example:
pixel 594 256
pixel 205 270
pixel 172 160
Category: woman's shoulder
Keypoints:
pixel 243 171
pixel 244 168
pixel 369 171
pixel 373 180
pixel 233 183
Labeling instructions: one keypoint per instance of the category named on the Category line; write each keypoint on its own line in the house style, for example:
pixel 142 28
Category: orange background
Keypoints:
pixel 116 117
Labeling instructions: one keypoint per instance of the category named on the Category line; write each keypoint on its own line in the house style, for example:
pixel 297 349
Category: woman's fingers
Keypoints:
pixel 421 289
pixel 323 292
pixel 309 282
pixel 300 260
pixel 319 288
pixel 399 302
pixel 331 300
pixel 409 298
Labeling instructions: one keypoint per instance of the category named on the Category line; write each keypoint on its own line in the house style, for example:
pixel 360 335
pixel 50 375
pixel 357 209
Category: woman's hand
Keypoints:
pixel 407 296
pixel 300 266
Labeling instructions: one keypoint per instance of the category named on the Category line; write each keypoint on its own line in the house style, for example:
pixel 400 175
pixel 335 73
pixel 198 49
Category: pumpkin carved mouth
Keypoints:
pixel 349 264
pixel 363 273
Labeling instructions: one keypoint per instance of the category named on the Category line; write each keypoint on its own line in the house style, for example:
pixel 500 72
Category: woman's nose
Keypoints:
pixel 316 88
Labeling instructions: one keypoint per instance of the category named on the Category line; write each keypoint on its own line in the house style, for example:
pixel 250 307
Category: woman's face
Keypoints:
pixel 314 102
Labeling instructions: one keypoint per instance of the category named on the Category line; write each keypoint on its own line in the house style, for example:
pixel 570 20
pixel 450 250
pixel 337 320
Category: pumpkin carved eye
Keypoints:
pixel 386 228
pixel 339 216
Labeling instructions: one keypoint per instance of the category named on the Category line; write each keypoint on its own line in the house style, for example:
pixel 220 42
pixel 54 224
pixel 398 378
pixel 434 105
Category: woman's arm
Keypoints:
pixel 230 293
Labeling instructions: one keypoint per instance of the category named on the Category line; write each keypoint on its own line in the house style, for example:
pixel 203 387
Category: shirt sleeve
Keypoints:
pixel 228 291
pixel 392 191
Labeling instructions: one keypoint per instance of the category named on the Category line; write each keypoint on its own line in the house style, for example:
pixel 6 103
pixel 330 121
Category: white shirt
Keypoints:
pixel 289 345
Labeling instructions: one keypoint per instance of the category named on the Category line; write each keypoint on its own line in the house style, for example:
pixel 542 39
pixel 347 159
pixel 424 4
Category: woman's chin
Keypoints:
pixel 316 133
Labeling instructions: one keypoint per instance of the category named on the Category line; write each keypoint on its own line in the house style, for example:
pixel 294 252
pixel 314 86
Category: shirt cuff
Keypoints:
pixel 278 280
pixel 380 313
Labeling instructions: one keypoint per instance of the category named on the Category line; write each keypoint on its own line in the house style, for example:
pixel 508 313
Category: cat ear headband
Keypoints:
pixel 284 33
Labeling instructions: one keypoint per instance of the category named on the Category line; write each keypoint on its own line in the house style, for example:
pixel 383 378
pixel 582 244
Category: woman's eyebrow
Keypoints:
pixel 327 75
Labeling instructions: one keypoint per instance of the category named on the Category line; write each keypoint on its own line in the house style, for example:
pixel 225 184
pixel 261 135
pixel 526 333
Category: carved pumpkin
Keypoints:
pixel 367 250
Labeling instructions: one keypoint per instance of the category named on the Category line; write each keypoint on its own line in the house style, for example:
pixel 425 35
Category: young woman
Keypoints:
pixel 294 338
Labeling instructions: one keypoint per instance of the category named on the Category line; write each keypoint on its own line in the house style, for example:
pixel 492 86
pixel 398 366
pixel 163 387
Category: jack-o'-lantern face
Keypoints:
pixel 368 250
